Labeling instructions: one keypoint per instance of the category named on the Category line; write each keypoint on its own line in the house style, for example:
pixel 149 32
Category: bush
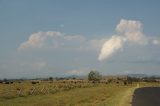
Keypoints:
pixel 125 82
pixel 34 82
pixel 1 81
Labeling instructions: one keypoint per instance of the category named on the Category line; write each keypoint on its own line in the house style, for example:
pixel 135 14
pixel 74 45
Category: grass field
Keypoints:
pixel 99 95
pixel 67 94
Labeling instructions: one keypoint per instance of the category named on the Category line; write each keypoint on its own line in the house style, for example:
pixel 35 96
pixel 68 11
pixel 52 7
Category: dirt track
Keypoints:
pixel 147 96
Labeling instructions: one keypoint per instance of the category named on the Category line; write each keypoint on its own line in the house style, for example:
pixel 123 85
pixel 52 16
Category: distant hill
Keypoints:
pixel 138 75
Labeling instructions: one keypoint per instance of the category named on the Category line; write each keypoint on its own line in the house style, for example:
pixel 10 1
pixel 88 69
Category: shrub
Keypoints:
pixel 34 82
pixel 125 82
pixel 7 82
pixel 1 81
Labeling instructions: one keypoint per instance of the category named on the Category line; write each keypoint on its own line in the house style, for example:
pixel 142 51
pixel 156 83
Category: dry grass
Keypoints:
pixel 98 95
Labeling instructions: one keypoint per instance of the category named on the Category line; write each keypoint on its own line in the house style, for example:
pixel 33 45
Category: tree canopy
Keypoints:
pixel 94 76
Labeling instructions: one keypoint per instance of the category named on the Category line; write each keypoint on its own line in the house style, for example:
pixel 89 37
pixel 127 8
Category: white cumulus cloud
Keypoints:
pixel 132 30
pixel 110 46
pixel 58 40
pixel 127 31
pixel 36 40
pixel 50 39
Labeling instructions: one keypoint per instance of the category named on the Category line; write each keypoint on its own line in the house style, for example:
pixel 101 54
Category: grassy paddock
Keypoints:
pixel 99 95
pixel 71 94
pixel 45 87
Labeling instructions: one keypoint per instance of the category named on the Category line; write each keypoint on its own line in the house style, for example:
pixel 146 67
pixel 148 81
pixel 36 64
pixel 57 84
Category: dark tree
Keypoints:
pixel 94 76
pixel 51 78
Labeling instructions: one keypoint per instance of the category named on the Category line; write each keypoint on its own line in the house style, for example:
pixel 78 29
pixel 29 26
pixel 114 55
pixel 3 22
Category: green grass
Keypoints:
pixel 108 95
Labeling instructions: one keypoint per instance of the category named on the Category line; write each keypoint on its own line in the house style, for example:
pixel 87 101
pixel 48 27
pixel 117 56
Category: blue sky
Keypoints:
pixel 83 28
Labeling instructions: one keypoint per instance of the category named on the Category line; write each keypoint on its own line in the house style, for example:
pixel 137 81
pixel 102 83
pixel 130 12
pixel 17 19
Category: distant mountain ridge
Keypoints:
pixel 137 75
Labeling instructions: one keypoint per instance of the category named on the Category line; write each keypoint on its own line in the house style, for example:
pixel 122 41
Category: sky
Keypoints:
pixel 71 37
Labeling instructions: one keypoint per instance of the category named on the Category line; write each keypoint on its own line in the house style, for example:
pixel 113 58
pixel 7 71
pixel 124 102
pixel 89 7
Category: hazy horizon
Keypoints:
pixel 62 38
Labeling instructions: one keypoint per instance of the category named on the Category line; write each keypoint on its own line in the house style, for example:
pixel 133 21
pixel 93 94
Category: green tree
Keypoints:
pixel 51 78
pixel 94 76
